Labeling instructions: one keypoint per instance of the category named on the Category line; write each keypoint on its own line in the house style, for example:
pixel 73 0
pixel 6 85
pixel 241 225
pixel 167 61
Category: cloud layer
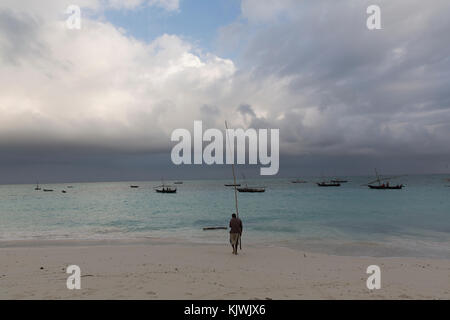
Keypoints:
pixel 310 68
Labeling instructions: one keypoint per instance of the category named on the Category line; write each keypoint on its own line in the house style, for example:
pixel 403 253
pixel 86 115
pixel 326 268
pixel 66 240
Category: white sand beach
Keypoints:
pixel 159 270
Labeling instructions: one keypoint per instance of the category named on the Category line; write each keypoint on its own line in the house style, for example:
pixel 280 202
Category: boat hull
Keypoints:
pixel 386 188
pixel 329 184
pixel 166 191
pixel 251 190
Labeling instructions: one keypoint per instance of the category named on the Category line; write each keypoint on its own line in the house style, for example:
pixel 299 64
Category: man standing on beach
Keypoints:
pixel 235 232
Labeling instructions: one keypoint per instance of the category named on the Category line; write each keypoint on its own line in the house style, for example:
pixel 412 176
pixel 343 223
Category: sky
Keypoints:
pixel 100 103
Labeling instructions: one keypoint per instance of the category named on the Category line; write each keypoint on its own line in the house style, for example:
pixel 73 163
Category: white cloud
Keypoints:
pixel 318 74
pixel 96 86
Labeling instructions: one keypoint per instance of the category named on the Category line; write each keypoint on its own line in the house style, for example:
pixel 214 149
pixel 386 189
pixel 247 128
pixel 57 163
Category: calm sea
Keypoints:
pixel 349 220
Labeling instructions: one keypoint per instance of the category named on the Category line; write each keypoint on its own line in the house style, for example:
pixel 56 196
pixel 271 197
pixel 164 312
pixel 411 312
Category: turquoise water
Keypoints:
pixel 348 220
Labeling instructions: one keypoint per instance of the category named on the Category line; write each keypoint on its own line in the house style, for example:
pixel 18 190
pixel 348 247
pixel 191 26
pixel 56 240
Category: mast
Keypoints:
pixel 378 178
pixel 234 175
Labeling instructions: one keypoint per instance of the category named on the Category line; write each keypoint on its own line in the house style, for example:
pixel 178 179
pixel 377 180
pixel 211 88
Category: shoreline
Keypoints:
pixel 333 247
pixel 160 269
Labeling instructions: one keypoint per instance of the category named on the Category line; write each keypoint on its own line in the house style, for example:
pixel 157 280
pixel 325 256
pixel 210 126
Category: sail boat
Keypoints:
pixel 232 185
pixel 324 183
pixel 37 187
pixel 251 189
pixel 328 184
pixel 383 186
pixel 163 188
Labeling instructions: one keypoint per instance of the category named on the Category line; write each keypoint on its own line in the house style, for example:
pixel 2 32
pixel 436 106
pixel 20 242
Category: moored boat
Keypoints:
pixel 252 190
pixel 384 185
pixel 298 181
pixel 248 189
pixel 328 184
pixel 165 189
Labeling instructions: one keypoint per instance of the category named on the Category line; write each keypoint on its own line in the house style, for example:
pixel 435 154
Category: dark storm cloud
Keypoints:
pixel 341 95
pixel 385 91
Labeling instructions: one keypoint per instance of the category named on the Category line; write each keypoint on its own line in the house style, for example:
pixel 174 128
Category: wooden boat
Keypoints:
pixel 386 187
pixel 134 187
pixel 248 189
pixel 63 191
pixel 165 189
pixel 298 181
pixel 48 190
pixel 178 182
pixel 252 190
pixel 233 185
pixel 328 184
pixel 383 186
pixel 215 228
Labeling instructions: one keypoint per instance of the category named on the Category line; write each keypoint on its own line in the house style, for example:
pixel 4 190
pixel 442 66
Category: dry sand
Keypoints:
pixel 158 270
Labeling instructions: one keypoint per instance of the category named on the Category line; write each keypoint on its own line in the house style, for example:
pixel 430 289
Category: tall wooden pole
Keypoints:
pixel 234 181
pixel 234 175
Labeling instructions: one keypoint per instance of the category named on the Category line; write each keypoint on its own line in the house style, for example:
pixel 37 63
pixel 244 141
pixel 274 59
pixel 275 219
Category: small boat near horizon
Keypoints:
pixel 37 187
pixel 328 184
pixel 134 187
pixel 384 185
pixel 232 185
pixel 178 182
pixel 48 190
pixel 298 181
pixel 248 189
pixel 166 189
pixel 387 187
pixel 252 189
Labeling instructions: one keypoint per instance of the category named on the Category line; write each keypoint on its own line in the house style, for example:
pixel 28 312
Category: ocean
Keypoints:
pixel 348 220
